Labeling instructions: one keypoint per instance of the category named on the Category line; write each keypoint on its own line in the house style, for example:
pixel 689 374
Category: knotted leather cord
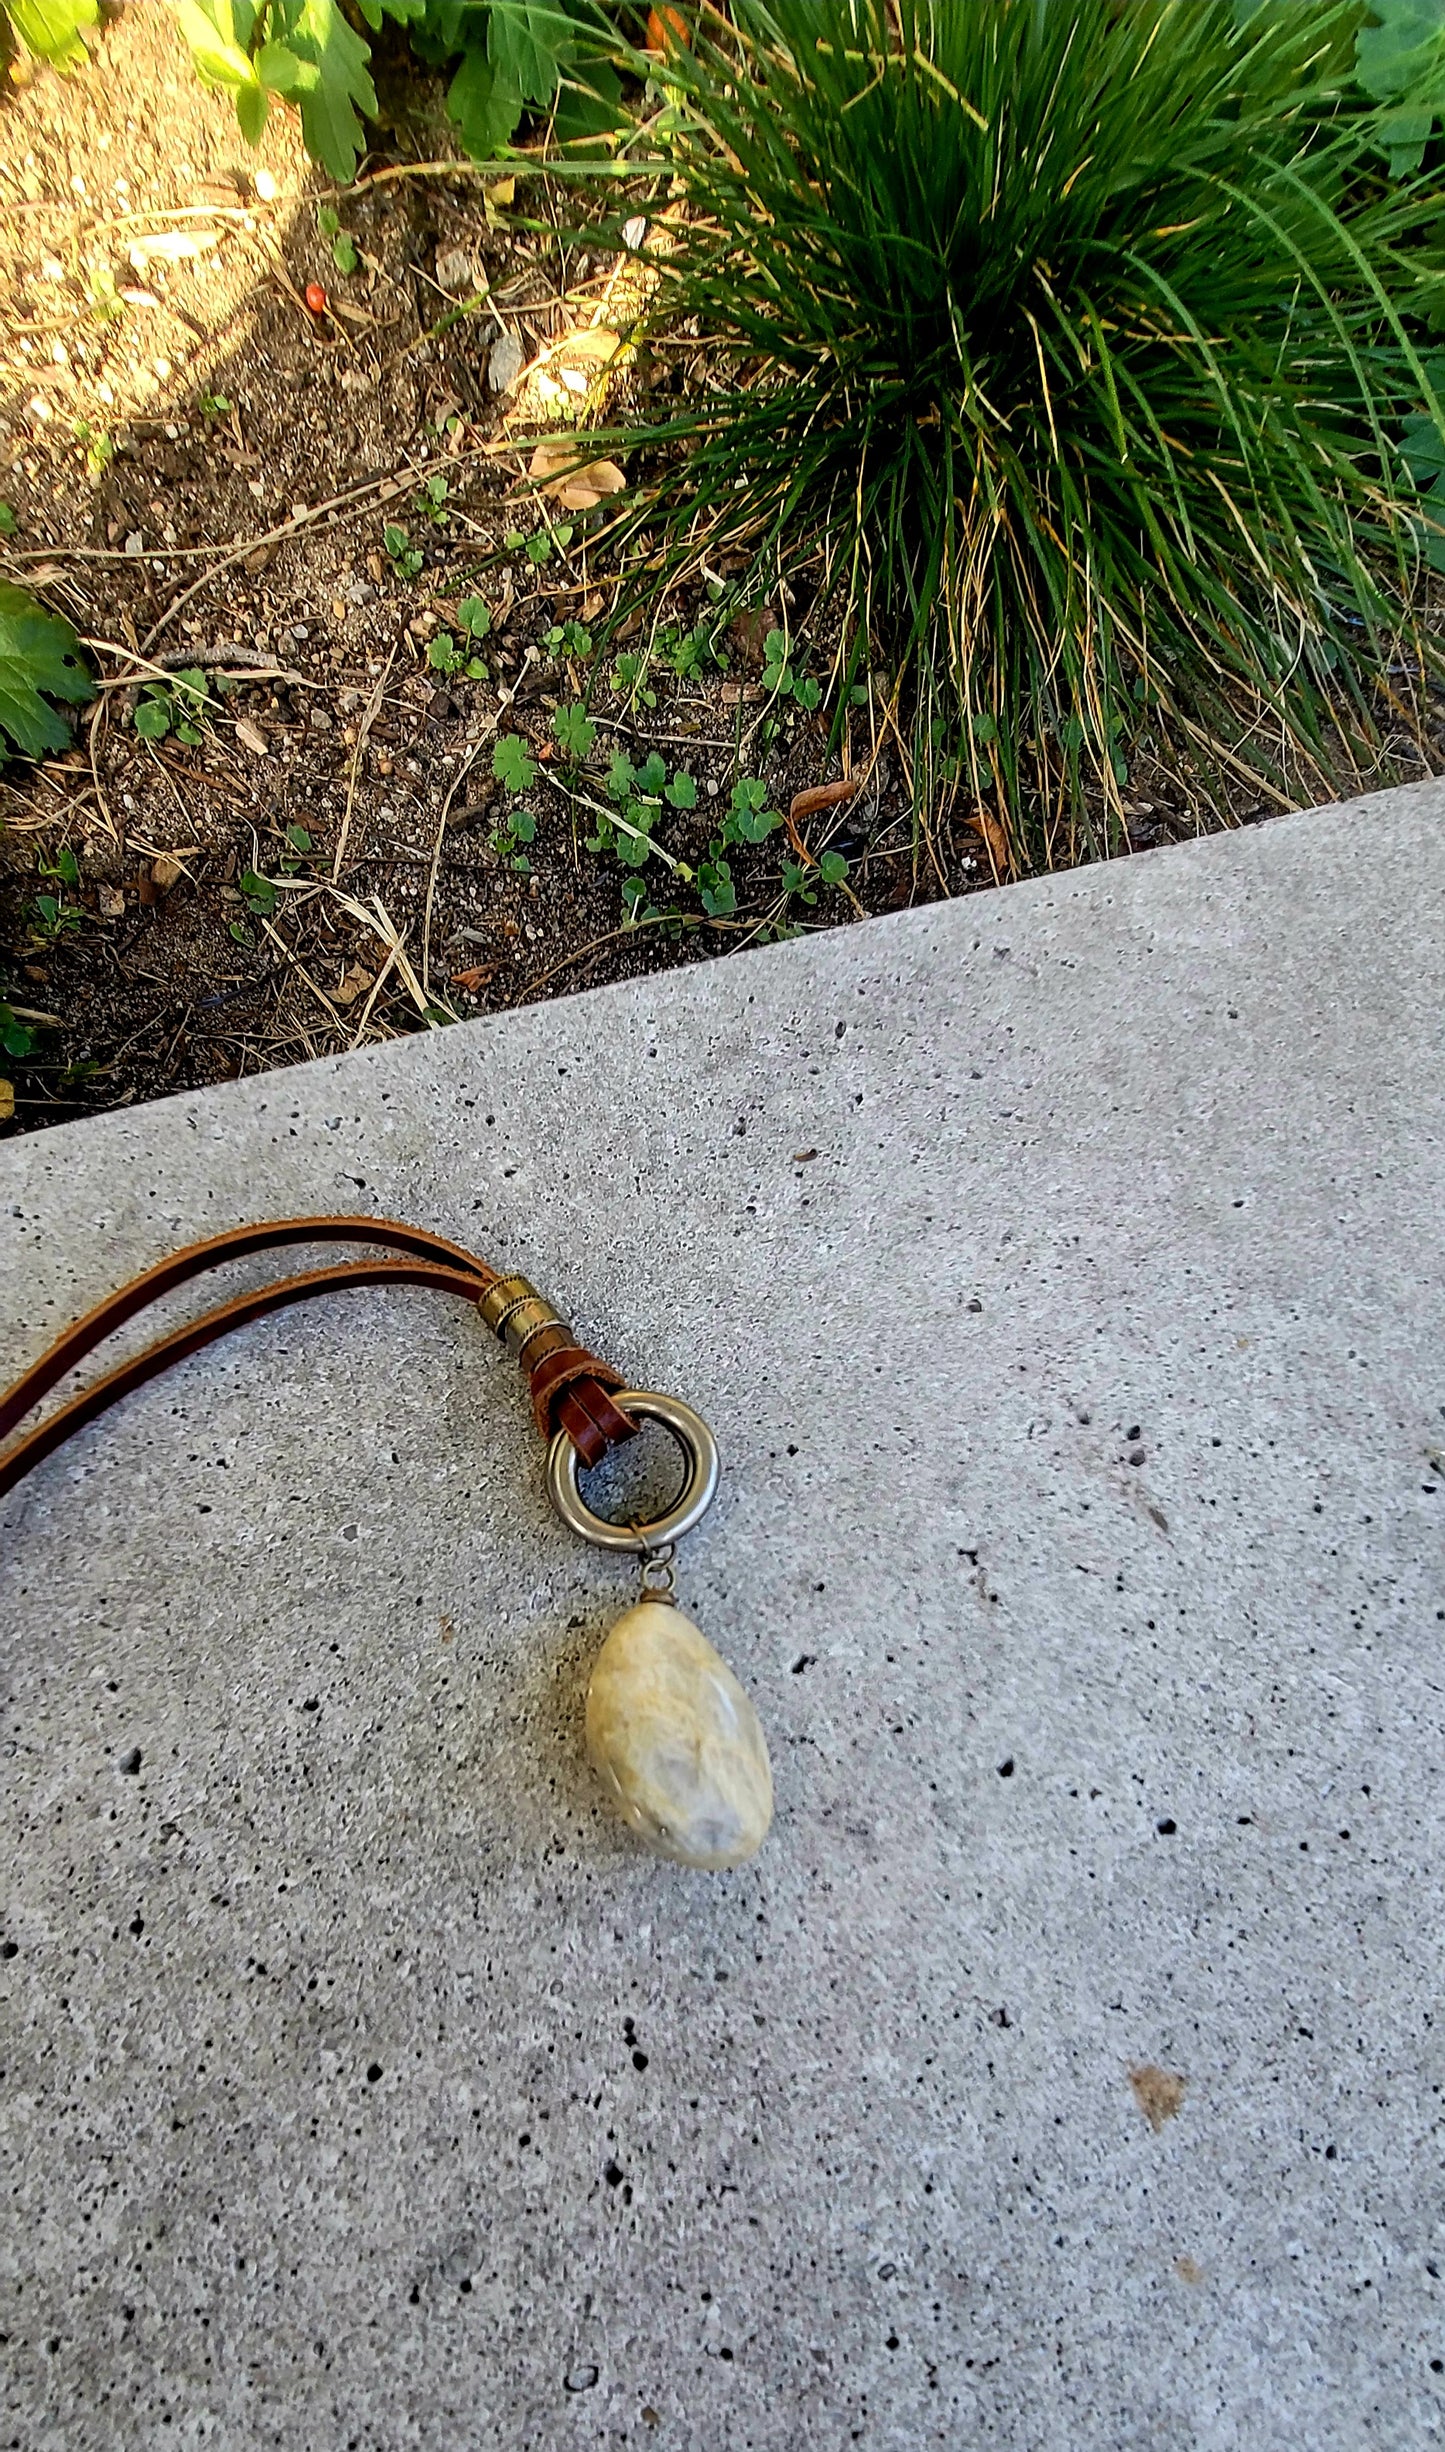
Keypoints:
pixel 570 1387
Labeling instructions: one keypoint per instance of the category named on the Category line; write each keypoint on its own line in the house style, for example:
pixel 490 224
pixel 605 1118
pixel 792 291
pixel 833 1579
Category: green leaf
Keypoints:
pixel 652 775
pixel 260 893
pixel 715 885
pixel 832 867
pixel 281 71
pixel 486 105
pixel 252 112
pixel 589 106
pixel 15 1038
pixel 511 764
pixel 153 718
pixel 574 730
pixel 8 521
pixel 749 820
pixel 406 12
pixel 524 826
pixel 334 89
pixel 1423 449
pixel 621 776
pixel 299 839
pixel 475 615
pixel 50 29
pixel 528 43
pixel 218 34
pixel 328 220
pixel 38 652
pixel 682 792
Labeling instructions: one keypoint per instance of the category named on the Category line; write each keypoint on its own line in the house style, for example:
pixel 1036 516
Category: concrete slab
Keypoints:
pixel 1062 1273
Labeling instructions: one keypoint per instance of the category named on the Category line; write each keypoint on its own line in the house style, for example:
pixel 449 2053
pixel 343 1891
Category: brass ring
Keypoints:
pixel 698 1490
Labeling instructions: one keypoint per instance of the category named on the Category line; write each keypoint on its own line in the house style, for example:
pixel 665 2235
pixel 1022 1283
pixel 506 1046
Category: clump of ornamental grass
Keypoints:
pixel 1066 347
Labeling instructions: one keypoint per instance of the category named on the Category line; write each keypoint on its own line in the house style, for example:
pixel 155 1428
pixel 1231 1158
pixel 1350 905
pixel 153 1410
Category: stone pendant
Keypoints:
pixel 678 1745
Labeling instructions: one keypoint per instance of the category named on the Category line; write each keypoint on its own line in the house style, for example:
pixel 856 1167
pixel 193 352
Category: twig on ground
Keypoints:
pixel 369 716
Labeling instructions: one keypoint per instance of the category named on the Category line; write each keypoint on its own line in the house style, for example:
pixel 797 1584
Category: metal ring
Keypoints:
pixel 698 1490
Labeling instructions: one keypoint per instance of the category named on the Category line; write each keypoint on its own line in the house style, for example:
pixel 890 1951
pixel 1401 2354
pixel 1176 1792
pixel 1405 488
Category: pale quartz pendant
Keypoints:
pixel 678 1745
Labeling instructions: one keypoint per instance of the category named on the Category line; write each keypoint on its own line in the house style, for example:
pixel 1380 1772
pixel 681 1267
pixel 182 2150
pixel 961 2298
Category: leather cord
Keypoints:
pixel 85 1334
pixel 571 1389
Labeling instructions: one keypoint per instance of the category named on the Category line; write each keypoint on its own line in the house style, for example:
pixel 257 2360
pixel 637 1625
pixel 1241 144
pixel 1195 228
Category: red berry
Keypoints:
pixel 316 297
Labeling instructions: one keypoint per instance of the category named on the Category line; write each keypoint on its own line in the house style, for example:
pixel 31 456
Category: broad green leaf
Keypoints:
pixel 1401 57
pixel 486 105
pixel 260 893
pixel 281 71
pixel 575 730
pixel 447 27
pixel 38 652
pixel 153 719
pixel 253 109
pixel 682 792
pixel 406 12
pixel 50 29
pixel 475 615
pixel 511 764
pixel 528 44
pixel 589 105
pixel 333 90
pixel 1423 449
pixel 218 33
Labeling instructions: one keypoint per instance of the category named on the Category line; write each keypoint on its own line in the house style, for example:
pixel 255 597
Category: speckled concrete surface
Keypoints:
pixel 1080 1386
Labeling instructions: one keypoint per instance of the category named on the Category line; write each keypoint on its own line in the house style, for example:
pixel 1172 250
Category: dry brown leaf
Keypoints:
pixel 252 737
pixel 165 870
pixel 475 979
pixel 995 840
pixel 556 469
pixel 353 983
pixel 7 1101
pixel 820 796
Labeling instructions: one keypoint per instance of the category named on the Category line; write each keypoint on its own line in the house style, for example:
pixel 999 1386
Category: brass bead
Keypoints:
pixel 504 1297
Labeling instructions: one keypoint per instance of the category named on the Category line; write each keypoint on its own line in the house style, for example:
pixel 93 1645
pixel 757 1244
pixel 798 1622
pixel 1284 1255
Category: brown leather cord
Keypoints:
pixel 84 1335
pixel 575 1399
pixel 212 1324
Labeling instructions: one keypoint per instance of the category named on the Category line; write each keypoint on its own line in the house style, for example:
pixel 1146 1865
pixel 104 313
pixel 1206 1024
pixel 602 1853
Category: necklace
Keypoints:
pixel 671 1733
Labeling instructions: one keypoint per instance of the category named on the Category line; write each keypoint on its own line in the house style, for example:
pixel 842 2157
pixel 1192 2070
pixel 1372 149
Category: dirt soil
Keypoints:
pixel 203 473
